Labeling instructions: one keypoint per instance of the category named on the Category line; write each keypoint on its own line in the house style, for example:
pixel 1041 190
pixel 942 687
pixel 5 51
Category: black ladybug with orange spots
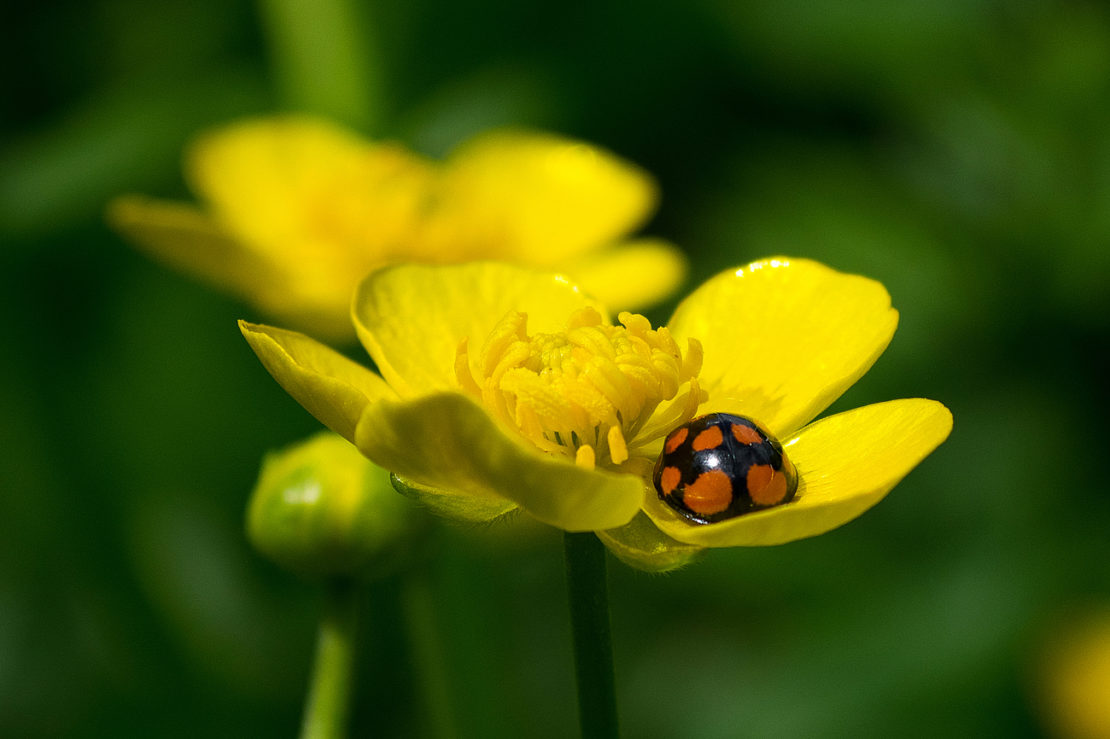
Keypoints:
pixel 720 466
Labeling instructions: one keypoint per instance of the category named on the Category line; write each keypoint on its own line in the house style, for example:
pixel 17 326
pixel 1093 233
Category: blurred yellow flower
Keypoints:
pixel 503 387
pixel 294 211
pixel 1074 680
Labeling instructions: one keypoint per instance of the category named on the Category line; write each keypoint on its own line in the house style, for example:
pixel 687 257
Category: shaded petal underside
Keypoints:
pixel 447 442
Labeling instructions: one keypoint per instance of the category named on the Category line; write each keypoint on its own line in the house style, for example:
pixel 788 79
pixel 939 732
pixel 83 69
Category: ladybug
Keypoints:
pixel 720 466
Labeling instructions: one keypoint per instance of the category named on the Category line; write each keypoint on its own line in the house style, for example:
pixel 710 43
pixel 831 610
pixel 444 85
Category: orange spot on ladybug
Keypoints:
pixel 674 441
pixel 765 485
pixel 710 493
pixel 711 438
pixel 746 434
pixel 669 479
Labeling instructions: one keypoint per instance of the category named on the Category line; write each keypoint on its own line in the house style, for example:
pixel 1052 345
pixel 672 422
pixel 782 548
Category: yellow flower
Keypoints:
pixel 502 387
pixel 1073 682
pixel 294 211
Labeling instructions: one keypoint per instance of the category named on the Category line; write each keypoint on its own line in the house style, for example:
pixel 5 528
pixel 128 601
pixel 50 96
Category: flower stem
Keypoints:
pixel 418 602
pixel 329 693
pixel 326 59
pixel 593 648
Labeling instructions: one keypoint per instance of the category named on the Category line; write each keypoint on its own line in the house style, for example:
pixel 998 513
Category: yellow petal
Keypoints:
pixel 535 199
pixel 305 190
pixel 641 545
pixel 632 275
pixel 449 442
pixel 784 338
pixel 255 173
pixel 411 318
pixel 846 464
pixel 185 238
pixel 330 386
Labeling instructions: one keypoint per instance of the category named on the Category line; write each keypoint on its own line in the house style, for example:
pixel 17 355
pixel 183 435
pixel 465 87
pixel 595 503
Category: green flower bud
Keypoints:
pixel 321 508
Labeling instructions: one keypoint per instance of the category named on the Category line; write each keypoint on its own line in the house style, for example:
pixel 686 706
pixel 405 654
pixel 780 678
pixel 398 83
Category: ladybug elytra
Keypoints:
pixel 720 466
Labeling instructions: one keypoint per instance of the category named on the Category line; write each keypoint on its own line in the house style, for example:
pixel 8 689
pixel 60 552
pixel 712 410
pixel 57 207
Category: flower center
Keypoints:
pixel 593 391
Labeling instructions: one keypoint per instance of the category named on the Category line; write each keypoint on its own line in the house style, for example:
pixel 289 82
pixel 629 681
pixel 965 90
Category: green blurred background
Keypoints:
pixel 957 150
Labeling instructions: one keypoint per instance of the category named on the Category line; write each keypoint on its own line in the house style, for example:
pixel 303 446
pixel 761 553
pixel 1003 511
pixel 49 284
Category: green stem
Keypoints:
pixel 593 648
pixel 426 647
pixel 325 58
pixel 329 693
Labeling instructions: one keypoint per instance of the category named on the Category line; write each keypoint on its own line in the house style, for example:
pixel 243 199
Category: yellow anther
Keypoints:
pixel 636 324
pixel 584 457
pixel 462 369
pixel 618 450
pixel 512 328
pixel 587 316
pixel 691 364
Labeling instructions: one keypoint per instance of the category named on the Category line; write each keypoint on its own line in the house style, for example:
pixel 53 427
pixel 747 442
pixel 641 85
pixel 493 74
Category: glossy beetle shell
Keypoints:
pixel 719 466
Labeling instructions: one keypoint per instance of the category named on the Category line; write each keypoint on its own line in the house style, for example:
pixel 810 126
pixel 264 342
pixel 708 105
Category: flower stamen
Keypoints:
pixel 618 450
pixel 589 392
